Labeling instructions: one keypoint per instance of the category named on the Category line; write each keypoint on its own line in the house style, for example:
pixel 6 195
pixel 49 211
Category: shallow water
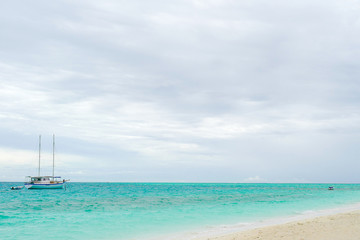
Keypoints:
pixel 146 210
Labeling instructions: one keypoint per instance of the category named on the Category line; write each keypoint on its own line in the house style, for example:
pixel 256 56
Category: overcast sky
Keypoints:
pixel 181 90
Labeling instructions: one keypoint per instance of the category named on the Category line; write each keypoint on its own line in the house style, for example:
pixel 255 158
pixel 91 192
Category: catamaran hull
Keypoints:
pixel 45 186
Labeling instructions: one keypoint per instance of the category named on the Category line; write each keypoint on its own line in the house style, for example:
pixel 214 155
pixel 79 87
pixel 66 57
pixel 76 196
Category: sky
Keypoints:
pixel 181 91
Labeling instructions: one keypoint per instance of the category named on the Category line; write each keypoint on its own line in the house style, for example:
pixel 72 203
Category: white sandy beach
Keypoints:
pixel 341 226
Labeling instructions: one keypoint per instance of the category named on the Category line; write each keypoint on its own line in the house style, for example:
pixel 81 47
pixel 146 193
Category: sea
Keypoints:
pixel 128 211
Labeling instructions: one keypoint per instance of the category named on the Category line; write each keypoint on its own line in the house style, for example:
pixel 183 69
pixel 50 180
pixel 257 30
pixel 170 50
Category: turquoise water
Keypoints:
pixel 145 210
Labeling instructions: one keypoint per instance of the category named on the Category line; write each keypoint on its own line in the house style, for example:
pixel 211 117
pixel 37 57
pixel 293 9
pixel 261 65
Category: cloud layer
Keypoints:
pixel 183 90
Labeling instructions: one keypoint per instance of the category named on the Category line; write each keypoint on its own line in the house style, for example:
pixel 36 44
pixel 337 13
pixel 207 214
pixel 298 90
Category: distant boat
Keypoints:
pixel 45 182
pixel 331 188
pixel 17 188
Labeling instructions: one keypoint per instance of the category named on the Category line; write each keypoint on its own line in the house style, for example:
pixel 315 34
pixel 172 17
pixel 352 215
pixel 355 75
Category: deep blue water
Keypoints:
pixel 144 210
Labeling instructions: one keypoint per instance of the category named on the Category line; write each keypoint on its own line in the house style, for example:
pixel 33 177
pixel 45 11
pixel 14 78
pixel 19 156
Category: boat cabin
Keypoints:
pixel 44 180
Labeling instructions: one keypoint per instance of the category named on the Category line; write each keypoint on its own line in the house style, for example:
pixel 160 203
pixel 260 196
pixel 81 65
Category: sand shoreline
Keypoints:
pixel 339 226
pixel 340 223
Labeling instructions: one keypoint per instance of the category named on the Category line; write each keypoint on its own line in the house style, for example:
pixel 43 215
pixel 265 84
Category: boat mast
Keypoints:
pixel 53 155
pixel 39 154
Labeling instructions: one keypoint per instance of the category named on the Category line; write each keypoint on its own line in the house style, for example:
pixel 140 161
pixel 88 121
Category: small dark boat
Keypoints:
pixel 331 188
pixel 16 188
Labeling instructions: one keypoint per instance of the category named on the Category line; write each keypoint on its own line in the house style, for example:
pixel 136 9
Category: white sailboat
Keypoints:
pixel 45 182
